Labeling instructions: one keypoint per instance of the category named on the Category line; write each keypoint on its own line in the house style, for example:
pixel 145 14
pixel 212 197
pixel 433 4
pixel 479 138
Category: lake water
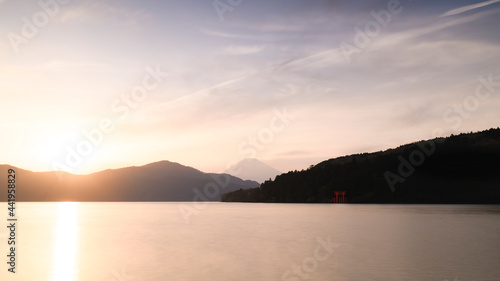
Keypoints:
pixel 230 241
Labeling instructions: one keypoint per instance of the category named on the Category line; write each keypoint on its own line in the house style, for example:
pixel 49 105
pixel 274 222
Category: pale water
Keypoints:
pixel 229 241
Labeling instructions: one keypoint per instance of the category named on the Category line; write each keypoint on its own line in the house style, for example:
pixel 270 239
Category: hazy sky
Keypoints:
pixel 290 82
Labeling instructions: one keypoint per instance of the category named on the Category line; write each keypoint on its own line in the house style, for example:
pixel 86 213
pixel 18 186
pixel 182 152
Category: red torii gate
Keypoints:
pixel 338 199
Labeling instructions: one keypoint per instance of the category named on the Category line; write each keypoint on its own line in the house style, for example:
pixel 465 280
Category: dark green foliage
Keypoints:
pixel 463 168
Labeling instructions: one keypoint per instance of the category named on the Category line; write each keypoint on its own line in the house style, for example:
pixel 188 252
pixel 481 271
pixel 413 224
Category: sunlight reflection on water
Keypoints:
pixel 151 242
pixel 66 243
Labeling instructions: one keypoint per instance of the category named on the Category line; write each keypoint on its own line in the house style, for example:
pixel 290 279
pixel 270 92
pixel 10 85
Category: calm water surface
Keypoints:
pixel 152 241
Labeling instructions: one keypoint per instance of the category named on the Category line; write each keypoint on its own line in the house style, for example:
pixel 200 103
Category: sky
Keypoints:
pixel 92 85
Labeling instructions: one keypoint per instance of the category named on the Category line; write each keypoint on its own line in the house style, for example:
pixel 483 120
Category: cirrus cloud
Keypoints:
pixel 243 49
pixel 469 8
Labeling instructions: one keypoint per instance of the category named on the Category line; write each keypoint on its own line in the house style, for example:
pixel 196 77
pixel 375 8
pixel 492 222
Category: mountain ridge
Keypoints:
pixel 460 169
pixel 157 181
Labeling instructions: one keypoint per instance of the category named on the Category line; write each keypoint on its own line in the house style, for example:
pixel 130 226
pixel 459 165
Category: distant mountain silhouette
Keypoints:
pixel 160 181
pixel 253 169
pixel 458 169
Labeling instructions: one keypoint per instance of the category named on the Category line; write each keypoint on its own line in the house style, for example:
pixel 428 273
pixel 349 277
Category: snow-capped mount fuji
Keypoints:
pixel 253 169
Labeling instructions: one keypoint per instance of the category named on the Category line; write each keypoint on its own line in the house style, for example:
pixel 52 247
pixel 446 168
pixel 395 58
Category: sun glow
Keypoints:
pixel 66 243
pixel 55 147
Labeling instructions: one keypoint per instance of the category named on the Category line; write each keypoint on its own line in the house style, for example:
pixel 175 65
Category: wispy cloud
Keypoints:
pixel 280 27
pixel 332 57
pixel 229 76
pixel 396 39
pixel 195 96
pixel 468 8
pixel 227 34
pixel 57 64
pixel 99 11
pixel 243 50
pixel 272 27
